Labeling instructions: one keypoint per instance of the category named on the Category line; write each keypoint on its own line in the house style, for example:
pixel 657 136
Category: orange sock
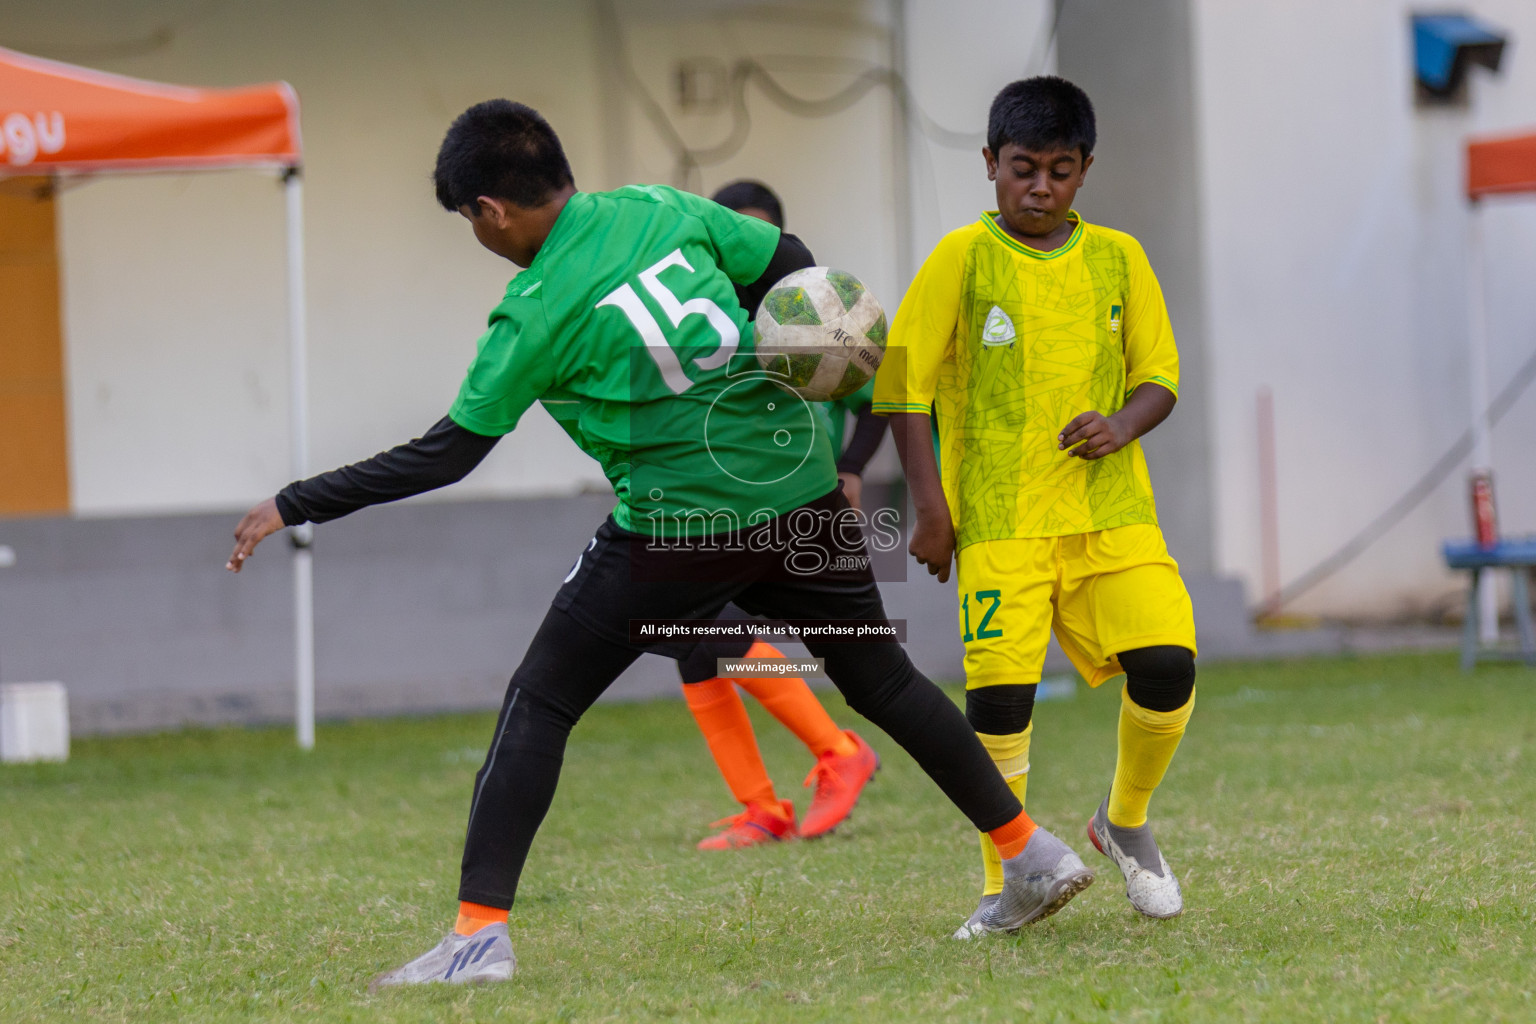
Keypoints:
pixel 474 916
pixel 723 720
pixel 792 703
pixel 1012 837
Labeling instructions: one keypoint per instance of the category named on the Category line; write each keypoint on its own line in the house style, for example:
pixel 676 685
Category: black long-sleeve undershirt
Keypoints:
pixel 443 455
pixel 868 432
pixel 447 453
pixel 790 256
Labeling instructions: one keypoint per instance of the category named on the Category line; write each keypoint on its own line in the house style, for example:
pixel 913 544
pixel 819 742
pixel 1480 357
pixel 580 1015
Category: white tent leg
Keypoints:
pixel 304 645
pixel 1482 433
pixel 298 390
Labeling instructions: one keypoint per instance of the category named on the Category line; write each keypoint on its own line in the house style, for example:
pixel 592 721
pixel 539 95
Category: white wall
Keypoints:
pixel 1335 241
pixel 178 396
pixel 174 314
pixel 958 57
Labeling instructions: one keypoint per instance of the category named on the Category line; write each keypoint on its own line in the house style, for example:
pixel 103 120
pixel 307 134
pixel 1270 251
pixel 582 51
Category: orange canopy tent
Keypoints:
pixel 60 119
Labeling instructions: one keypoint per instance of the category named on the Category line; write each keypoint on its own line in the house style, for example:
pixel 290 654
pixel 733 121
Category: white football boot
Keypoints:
pixel 1149 881
pixel 973 926
pixel 1038 881
pixel 458 960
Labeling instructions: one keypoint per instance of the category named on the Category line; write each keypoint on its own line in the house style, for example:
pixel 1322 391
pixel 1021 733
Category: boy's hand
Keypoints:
pixel 933 544
pixel 259 523
pixel 853 488
pixel 933 532
pixel 1093 436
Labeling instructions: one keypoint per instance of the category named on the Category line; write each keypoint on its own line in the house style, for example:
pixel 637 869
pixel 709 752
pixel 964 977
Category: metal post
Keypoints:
pixel 1482 433
pixel 1269 502
pixel 901 146
pixel 301 536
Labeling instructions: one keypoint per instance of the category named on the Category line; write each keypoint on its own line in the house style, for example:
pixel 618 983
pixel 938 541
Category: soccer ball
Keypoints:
pixel 821 333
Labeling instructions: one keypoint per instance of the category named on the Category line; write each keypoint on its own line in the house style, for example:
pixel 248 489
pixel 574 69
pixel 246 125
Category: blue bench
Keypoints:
pixel 1518 556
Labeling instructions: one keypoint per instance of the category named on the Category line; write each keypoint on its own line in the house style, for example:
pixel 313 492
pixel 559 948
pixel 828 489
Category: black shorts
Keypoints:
pixel 808 565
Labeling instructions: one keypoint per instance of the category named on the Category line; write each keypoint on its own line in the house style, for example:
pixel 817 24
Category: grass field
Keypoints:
pixel 1354 838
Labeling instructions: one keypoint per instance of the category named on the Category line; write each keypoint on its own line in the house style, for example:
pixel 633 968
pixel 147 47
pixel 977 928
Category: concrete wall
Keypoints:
pixel 174 315
pixel 1334 235
pixel 957 58
pixel 1303 214
pixel 418 609
pixel 1135 63
pixel 174 302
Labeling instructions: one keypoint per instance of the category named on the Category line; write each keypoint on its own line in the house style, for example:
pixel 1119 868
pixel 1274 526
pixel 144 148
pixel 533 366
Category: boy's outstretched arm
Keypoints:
pixel 1093 435
pixel 443 455
pixel 933 535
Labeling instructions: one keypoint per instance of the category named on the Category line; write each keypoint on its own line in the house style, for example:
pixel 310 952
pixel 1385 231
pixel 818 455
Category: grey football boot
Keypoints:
pixel 1038 881
pixel 973 926
pixel 458 960
pixel 1149 882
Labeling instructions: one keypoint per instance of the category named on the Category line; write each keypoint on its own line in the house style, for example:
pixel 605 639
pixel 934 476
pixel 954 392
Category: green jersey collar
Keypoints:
pixel 989 218
pixel 574 212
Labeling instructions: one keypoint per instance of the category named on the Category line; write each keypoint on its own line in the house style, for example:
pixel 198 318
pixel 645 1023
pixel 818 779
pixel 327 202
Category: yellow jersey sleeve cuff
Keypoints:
pixel 1157 379
pixel 887 408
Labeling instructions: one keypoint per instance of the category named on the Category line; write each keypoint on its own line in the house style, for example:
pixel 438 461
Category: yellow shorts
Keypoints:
pixel 1103 593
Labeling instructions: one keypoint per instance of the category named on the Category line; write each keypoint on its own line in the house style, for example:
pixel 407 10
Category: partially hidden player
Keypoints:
pixel 1043 344
pixel 844 762
pixel 626 311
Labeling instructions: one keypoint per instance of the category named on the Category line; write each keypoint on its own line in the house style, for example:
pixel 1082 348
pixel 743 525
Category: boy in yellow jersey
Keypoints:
pixel 1043 346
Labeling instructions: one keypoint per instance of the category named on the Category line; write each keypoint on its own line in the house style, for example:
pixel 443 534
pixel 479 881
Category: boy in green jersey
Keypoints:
pixel 626 314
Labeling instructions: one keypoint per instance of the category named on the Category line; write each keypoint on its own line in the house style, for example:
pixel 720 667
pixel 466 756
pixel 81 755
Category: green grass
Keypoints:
pixel 1354 839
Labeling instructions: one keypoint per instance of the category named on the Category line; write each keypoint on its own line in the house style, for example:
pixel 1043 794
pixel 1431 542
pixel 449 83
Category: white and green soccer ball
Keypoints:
pixel 821 332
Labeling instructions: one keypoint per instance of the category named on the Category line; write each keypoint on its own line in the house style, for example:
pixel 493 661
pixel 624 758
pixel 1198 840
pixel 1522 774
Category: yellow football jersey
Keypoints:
pixel 1006 345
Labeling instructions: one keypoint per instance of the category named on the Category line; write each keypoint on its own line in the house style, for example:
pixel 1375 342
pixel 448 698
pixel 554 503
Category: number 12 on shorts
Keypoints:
pixel 987 604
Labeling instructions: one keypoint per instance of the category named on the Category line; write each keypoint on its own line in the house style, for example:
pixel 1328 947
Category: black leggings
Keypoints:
pixel 573 659
pixel 568 667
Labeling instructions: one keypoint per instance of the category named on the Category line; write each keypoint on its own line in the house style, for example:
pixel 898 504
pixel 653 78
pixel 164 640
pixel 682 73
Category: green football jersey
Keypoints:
pixel 626 326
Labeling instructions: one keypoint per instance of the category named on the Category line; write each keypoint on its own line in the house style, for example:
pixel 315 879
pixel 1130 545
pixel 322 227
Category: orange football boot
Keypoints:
pixel 757 824
pixel 839 781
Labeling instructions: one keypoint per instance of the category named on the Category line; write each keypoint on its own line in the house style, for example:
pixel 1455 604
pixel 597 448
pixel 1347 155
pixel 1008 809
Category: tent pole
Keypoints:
pixel 300 536
pixel 1482 433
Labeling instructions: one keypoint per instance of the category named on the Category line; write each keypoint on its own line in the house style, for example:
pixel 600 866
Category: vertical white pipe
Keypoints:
pixel 1269 502
pixel 901 146
pixel 298 391
pixel 1482 433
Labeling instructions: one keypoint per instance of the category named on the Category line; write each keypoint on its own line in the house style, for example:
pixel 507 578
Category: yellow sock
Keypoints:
pixel 1011 755
pixel 1148 740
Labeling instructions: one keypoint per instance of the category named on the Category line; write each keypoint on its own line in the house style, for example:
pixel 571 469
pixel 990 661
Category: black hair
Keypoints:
pixel 501 149
pixel 1041 113
pixel 740 195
